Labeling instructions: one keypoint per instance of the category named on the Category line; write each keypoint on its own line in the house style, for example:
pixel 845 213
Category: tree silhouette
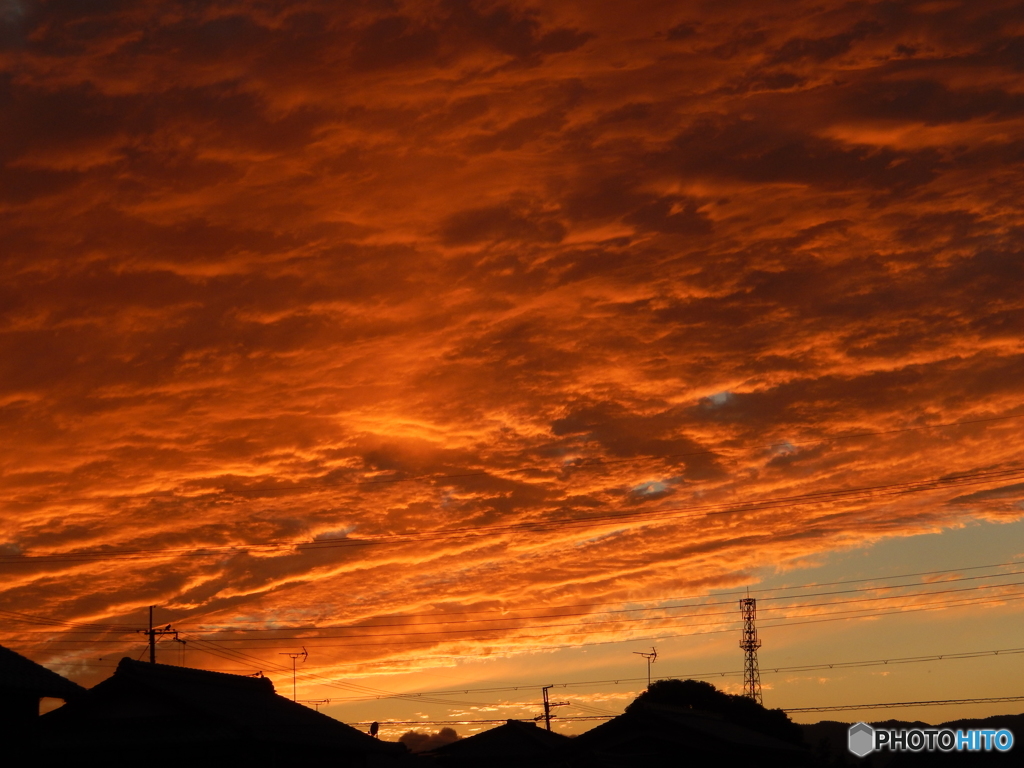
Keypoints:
pixel 704 697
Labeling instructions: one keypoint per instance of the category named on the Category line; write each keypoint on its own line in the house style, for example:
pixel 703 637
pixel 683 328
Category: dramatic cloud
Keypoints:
pixel 370 315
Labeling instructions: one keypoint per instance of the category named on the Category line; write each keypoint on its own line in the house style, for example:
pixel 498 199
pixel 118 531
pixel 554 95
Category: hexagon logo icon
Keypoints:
pixel 861 739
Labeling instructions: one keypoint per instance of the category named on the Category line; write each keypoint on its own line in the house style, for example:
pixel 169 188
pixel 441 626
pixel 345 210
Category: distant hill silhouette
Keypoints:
pixel 704 697
pixel 687 722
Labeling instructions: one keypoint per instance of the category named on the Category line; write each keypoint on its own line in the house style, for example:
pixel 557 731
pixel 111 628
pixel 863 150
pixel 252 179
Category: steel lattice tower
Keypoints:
pixel 750 644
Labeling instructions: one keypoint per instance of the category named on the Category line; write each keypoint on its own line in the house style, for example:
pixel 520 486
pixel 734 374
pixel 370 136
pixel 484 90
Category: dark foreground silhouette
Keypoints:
pixel 200 718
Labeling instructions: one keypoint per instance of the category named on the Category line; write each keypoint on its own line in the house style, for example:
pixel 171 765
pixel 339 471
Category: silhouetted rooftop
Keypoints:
pixel 515 742
pixel 146 705
pixel 23 674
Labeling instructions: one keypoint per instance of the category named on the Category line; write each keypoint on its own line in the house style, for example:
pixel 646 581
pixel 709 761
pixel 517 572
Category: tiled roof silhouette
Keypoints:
pixel 21 674
pixel 514 743
pixel 149 706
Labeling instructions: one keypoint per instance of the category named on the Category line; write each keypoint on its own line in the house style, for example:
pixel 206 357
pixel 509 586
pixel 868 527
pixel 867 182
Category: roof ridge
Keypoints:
pixel 19 671
pixel 129 666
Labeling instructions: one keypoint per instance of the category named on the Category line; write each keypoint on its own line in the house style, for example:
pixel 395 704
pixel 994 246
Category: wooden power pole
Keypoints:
pixel 548 704
pixel 153 633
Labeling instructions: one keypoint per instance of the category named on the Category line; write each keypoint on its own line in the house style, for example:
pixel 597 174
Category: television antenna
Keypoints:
pixel 651 658
pixel 295 656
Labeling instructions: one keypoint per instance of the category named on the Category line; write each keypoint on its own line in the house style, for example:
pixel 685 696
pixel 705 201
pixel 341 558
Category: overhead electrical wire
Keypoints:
pixel 835 665
pixel 839 708
pixel 589 627
pixel 377 643
pixel 782 622
pixel 901 704
pixel 695 607
pixel 430 696
pixel 235 655
pixel 698 609
pixel 323 681
pixel 34 619
pixel 745 591
pixel 562 718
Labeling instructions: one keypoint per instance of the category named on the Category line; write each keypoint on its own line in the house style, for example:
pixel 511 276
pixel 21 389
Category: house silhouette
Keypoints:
pixel 516 743
pixel 144 710
pixel 22 684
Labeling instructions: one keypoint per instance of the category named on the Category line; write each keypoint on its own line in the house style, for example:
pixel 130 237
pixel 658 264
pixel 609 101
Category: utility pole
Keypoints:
pixel 153 633
pixel 651 658
pixel 750 643
pixel 294 657
pixel 548 704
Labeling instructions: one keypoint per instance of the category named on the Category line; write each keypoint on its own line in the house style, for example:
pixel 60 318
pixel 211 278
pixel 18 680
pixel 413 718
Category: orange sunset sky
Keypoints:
pixel 477 346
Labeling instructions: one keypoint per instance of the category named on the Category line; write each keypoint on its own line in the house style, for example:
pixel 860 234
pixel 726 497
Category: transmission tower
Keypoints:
pixel 750 644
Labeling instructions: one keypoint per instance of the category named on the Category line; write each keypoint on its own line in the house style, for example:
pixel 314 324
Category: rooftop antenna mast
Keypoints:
pixel 651 658
pixel 750 643
pixel 295 656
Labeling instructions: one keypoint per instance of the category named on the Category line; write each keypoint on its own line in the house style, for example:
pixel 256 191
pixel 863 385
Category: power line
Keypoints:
pixel 840 708
pixel 591 627
pixel 377 643
pixel 472 722
pixel 427 696
pixel 835 665
pixel 897 704
pixel 761 590
pixel 818 497
pixel 695 608
pixel 234 655
pixel 31 618
pixel 66 626
pixel 430 697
